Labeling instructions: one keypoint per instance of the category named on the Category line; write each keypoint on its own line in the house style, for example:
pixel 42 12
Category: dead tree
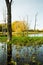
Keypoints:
pixel 8 4
pixel 9 46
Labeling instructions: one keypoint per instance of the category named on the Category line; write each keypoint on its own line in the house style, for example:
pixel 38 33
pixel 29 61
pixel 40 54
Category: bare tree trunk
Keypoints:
pixel 9 21
pixel 9 54
pixel 9 46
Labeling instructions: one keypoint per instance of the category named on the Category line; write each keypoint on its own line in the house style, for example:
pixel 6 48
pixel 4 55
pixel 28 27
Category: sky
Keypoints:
pixel 21 9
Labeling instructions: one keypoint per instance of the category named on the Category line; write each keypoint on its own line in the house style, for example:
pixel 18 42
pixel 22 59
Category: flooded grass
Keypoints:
pixel 21 42
pixel 22 55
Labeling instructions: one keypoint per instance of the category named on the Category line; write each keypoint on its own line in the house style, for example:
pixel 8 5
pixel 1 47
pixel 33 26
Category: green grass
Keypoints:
pixel 25 41
pixel 3 38
pixel 28 41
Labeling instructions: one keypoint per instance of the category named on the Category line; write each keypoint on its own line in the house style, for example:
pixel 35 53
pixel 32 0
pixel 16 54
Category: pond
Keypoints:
pixel 38 35
pixel 26 54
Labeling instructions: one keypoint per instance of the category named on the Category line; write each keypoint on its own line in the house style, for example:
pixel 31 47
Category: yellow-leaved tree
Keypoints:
pixel 19 27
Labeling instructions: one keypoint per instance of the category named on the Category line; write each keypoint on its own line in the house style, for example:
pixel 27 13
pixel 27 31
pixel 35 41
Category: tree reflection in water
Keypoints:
pixel 21 55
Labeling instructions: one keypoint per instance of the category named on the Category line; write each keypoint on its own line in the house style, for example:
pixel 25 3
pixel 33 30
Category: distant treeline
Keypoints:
pixel 3 27
pixel 31 30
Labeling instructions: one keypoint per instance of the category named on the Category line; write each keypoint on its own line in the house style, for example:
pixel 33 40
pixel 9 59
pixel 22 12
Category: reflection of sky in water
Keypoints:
pixel 3 54
pixel 40 54
pixel 22 52
pixel 30 50
pixel 32 35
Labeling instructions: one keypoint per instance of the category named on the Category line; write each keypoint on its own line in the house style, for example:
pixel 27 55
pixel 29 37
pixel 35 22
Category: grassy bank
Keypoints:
pixel 25 41
pixel 3 38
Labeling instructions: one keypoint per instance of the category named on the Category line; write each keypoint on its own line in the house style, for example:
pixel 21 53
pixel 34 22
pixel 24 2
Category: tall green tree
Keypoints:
pixel 9 46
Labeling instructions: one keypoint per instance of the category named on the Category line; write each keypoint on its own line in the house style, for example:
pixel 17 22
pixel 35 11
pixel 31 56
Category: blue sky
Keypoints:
pixel 23 8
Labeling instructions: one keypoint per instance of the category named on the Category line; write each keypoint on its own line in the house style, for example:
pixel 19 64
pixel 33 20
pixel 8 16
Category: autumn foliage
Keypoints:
pixel 18 26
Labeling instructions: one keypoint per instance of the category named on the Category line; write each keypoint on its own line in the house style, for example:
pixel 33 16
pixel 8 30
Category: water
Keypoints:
pixel 29 51
pixel 3 54
pixel 38 35
pixel 25 53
